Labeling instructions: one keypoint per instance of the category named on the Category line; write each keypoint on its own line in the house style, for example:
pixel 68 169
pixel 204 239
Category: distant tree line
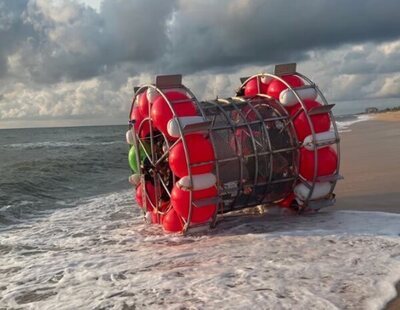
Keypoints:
pixel 376 110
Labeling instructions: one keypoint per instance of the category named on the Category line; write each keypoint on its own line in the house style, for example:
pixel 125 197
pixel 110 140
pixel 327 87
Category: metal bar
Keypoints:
pixel 327 142
pixel 224 160
pixel 252 140
pixel 206 202
pixel 238 147
pixel 201 163
pixel 145 151
pixel 254 122
pixel 168 150
pixel 330 178
pixel 164 185
pixel 320 110
pixel 197 127
pixel 307 86
pixel 178 101
pixel 169 81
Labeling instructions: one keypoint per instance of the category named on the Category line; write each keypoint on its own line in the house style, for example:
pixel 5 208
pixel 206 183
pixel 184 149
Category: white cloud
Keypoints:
pixel 66 60
pixel 391 87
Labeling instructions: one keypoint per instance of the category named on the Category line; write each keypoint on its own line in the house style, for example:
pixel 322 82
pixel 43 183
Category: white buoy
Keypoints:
pixel 200 181
pixel 148 217
pixel 134 179
pixel 265 79
pixel 288 98
pixel 321 189
pixel 151 94
pixel 323 138
pixel 173 126
pixel 129 137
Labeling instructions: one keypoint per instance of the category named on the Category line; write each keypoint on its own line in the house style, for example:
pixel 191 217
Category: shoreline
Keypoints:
pixel 370 169
pixel 369 165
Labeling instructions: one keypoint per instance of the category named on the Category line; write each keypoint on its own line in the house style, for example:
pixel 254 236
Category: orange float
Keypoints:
pixel 287 202
pixel 327 162
pixel 321 122
pixel 180 200
pixel 158 218
pixel 139 118
pixel 172 223
pixel 143 104
pixel 161 113
pixel 200 151
pixel 276 87
pixel 151 193
pixel 251 87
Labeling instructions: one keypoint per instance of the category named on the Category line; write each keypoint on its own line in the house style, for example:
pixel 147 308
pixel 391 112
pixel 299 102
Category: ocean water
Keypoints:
pixel 71 237
pixel 344 122
pixel 50 168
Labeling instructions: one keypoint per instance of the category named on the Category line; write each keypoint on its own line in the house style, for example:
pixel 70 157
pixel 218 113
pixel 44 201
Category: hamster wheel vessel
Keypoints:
pixel 275 142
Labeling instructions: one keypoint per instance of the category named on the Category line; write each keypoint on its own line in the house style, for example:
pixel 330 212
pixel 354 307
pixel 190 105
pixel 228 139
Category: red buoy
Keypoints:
pixel 287 202
pixel 321 122
pixel 161 113
pixel 154 218
pixel 172 223
pixel 138 117
pixel 143 104
pixel 180 202
pixel 251 87
pixel 276 86
pixel 158 218
pixel 327 162
pixel 151 193
pixel 199 149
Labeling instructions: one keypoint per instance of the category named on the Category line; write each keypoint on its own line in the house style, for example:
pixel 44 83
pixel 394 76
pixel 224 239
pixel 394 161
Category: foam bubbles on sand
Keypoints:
pixel 101 255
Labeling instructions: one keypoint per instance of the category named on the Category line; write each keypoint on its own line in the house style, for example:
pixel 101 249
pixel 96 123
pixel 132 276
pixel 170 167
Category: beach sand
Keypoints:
pixel 370 164
pixel 388 116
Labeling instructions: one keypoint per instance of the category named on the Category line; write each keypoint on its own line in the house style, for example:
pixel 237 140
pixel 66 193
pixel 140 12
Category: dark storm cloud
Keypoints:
pixel 230 33
pixel 72 42
pixel 13 31
pixel 78 42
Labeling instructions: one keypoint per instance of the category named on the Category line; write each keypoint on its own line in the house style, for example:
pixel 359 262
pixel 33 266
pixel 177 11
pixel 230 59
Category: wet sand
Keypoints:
pixel 370 165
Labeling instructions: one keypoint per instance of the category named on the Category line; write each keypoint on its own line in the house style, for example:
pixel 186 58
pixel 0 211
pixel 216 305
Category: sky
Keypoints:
pixel 66 63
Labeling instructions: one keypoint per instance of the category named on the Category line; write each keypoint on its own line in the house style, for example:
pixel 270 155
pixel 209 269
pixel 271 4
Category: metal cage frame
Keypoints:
pixel 165 83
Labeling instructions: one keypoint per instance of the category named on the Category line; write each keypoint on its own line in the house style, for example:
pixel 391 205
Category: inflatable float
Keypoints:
pixel 274 143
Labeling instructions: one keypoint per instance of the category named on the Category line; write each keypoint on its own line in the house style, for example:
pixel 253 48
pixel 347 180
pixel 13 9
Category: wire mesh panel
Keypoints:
pixel 255 154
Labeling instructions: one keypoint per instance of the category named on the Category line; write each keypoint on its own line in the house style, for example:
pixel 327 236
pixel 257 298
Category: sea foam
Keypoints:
pixel 343 125
pixel 100 254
